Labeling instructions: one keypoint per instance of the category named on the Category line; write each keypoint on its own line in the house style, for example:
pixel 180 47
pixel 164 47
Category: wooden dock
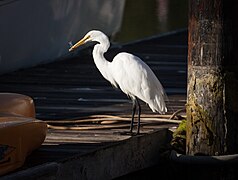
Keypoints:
pixel 88 116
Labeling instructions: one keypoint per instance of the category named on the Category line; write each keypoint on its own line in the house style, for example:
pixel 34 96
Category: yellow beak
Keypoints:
pixel 79 43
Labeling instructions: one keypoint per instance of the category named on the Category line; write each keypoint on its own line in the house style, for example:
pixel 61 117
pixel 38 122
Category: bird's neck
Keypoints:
pixel 99 59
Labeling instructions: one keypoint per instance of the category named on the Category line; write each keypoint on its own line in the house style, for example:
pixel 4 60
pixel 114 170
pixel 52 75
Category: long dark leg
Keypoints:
pixel 134 102
pixel 139 112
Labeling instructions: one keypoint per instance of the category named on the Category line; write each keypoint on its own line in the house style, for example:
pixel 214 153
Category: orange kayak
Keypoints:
pixel 19 134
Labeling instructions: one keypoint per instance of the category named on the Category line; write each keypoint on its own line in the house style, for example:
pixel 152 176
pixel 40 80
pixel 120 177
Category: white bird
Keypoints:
pixel 129 73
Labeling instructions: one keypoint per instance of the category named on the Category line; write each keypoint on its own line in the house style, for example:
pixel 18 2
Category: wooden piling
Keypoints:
pixel 210 127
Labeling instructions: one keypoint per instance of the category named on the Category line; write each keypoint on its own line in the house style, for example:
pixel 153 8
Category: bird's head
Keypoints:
pixel 93 35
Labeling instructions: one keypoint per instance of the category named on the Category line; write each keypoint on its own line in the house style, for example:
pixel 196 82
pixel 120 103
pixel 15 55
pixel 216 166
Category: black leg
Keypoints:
pixel 134 101
pixel 139 112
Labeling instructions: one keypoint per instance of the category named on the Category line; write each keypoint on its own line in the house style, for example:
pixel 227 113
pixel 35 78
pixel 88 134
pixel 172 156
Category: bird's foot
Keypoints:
pixel 129 133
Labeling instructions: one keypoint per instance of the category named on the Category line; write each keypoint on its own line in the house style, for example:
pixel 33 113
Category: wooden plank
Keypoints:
pixel 106 163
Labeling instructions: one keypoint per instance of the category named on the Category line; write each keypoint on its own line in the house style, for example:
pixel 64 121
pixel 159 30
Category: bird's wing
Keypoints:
pixel 126 71
pixel 135 78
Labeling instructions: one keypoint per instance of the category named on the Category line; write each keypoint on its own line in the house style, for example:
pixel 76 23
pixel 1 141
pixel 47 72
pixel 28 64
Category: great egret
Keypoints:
pixel 129 73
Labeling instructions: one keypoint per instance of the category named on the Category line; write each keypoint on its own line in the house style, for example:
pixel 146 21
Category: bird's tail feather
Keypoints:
pixel 159 104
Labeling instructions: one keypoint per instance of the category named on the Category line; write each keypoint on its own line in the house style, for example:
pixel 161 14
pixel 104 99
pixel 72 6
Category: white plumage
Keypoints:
pixel 129 73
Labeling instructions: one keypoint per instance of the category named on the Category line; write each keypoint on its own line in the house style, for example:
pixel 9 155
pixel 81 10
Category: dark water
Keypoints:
pixel 144 18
